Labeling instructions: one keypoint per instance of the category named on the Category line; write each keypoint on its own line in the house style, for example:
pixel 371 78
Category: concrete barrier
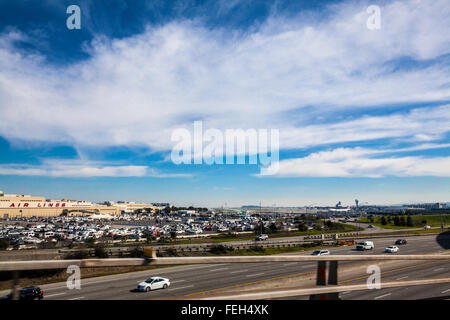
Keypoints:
pixel 116 262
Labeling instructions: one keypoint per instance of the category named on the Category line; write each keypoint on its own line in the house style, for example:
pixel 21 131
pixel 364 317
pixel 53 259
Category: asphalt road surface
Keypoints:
pixel 188 280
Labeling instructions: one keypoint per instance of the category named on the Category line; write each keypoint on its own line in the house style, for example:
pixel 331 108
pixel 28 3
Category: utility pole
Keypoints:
pixel 260 217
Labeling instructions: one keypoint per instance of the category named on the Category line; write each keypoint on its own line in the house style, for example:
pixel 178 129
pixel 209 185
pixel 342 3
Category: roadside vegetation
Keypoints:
pixel 407 221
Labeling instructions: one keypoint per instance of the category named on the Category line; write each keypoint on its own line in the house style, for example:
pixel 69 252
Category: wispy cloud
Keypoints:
pixel 362 162
pixel 82 169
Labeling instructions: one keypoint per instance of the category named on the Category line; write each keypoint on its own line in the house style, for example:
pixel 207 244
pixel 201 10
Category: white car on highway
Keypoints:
pixel 153 283
pixel 320 252
pixel 392 249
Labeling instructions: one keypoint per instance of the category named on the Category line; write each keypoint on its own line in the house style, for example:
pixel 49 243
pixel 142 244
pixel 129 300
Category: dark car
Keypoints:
pixel 401 241
pixel 30 293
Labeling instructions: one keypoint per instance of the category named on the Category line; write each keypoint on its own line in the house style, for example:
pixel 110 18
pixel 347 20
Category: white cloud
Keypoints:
pixel 361 162
pixel 81 169
pixel 135 91
pixel 418 125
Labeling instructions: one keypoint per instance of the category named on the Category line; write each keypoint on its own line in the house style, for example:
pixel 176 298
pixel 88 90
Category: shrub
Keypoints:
pixel 137 252
pixel 100 252
pixel 257 248
pixel 79 254
pixel 3 244
pixel 218 249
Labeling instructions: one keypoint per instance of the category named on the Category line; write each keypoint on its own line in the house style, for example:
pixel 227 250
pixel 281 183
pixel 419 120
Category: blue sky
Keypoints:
pixel 90 113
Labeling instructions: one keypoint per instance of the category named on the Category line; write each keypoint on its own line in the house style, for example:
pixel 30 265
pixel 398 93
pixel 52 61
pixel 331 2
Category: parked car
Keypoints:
pixel 153 283
pixel 366 245
pixel 320 252
pixel 401 241
pixel 262 237
pixel 427 227
pixel 391 249
pixel 370 226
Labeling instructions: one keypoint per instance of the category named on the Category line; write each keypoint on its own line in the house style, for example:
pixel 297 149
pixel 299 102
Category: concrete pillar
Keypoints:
pixel 14 293
pixel 333 280
pixel 321 280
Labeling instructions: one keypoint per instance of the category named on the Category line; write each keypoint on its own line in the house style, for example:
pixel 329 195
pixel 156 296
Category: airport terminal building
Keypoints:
pixel 13 205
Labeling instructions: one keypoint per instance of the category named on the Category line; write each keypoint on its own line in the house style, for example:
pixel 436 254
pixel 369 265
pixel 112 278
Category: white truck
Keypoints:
pixel 366 245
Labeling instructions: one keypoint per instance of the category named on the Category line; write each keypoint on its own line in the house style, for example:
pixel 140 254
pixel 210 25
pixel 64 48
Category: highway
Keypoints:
pixel 190 280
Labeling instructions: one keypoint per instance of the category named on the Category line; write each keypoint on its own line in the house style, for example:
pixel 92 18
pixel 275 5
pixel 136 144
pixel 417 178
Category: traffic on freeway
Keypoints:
pixel 202 280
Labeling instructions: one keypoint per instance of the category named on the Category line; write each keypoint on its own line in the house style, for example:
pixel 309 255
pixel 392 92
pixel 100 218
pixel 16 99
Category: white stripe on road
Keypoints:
pixel 239 271
pixel 182 287
pixel 289 264
pixel 438 269
pixel 55 294
pixel 177 281
pixel 445 291
pixel 402 278
pixel 76 298
pixel 384 295
pixel 220 269
pixel 255 274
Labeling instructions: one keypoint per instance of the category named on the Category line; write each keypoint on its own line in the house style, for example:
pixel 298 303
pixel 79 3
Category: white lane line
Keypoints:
pixel 220 269
pixel 55 294
pixel 76 298
pixel 239 271
pixel 345 292
pixel 402 278
pixel 438 269
pixel 182 287
pixel 255 274
pixel 445 291
pixel 177 281
pixel 384 295
pixel 289 264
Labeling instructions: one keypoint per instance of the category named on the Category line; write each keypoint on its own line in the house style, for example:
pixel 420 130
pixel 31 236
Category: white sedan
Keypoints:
pixel 153 283
pixel 320 253
pixel 392 249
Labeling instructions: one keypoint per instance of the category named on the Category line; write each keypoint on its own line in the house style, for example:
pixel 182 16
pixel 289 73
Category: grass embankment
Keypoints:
pixel 418 221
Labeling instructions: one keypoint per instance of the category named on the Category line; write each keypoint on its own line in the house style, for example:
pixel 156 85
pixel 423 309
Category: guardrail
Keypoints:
pixel 117 262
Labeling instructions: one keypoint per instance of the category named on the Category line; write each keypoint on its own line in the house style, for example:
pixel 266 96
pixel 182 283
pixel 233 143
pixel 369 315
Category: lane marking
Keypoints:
pixel 255 274
pixel 76 298
pixel 55 294
pixel 289 264
pixel 384 295
pixel 402 278
pixel 238 271
pixel 220 269
pixel 177 281
pixel 438 269
pixel 445 291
